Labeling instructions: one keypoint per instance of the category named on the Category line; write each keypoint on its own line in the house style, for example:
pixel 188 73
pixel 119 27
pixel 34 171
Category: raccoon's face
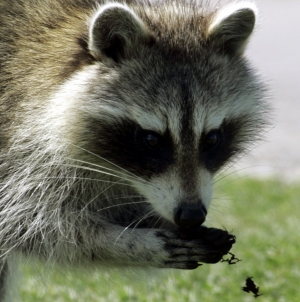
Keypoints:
pixel 169 117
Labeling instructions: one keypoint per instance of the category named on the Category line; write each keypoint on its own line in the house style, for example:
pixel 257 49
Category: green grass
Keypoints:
pixel 265 217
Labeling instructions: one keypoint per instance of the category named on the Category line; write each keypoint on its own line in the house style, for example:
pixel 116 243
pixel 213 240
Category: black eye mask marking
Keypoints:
pixel 219 145
pixel 142 152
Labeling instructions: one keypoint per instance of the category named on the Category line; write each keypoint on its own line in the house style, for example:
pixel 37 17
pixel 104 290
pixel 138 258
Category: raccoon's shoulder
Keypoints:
pixel 41 42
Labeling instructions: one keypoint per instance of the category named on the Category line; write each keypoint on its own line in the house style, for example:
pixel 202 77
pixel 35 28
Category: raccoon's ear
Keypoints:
pixel 231 27
pixel 115 31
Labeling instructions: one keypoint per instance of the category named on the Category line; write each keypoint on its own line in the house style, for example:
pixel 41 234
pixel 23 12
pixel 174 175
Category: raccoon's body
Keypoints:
pixel 114 119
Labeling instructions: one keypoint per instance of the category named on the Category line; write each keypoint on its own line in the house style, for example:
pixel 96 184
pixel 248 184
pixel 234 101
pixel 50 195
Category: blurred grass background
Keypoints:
pixel 263 214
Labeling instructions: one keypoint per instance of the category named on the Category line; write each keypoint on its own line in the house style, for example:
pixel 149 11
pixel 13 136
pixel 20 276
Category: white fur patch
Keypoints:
pixel 208 119
pixel 165 192
pixel 69 95
pixel 212 118
pixel 149 121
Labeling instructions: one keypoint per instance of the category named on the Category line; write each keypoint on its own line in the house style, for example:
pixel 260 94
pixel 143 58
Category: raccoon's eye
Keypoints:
pixel 152 140
pixel 212 139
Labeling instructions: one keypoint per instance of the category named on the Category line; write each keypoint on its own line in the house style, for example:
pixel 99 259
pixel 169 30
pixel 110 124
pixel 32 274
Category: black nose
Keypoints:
pixel 187 216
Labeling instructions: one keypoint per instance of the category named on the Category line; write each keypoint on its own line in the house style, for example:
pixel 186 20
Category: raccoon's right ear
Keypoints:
pixel 115 32
pixel 231 27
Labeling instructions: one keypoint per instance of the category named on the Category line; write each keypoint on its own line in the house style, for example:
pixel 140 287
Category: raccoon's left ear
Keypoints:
pixel 115 32
pixel 231 27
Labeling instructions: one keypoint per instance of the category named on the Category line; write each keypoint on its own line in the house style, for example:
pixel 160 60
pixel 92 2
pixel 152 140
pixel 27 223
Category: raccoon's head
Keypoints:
pixel 170 100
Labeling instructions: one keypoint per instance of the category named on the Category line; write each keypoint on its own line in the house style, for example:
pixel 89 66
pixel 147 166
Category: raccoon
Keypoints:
pixel 115 118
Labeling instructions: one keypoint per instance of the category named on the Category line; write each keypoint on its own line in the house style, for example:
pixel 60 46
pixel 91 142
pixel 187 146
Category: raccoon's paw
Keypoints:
pixel 187 248
pixel 218 242
pixel 219 239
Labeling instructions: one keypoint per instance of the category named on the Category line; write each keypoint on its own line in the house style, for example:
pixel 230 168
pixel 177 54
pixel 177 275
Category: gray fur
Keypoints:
pixel 73 187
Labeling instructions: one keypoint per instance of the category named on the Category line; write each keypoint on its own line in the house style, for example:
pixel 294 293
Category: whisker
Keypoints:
pixel 78 178
pixel 98 171
pixel 221 198
pixel 100 157
pixel 245 153
pixel 94 198
pixel 238 178
pixel 145 216
pixel 227 175
pixel 126 228
pixel 109 169
pixel 126 197
pixel 229 166
pixel 121 204
pixel 156 223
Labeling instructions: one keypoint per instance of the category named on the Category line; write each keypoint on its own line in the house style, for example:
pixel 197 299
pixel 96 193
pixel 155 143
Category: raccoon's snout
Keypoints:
pixel 187 216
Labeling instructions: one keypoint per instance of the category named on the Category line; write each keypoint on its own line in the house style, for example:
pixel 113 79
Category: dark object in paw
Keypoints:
pixel 231 260
pixel 251 287
pixel 219 238
pixel 216 242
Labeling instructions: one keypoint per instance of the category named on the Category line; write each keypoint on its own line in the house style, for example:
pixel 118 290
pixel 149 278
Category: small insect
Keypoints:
pixel 251 287
pixel 231 260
